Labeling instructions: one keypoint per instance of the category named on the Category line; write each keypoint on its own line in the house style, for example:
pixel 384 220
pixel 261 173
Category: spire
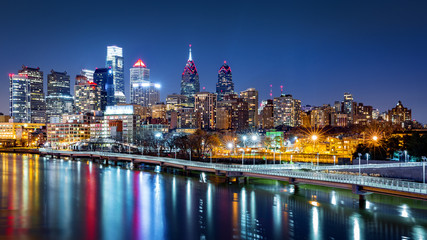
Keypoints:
pixel 190 58
pixel 139 63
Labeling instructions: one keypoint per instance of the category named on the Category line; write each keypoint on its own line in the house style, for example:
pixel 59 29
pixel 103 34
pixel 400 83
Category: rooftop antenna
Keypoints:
pixel 281 89
pixel 271 90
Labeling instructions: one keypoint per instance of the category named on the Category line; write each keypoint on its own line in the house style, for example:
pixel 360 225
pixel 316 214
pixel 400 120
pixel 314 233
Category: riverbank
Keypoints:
pixel 20 150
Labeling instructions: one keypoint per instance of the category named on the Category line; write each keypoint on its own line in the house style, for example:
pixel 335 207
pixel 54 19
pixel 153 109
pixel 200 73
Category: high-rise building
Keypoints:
pixel 190 84
pixel 115 62
pixel 205 109
pixel 286 111
pixel 27 103
pixel 88 95
pixel 58 99
pixel 225 83
pixel 250 96
pixel 232 113
pixel 88 74
pixel 103 77
pixel 267 114
pixel 175 101
pixel 143 91
pixel 399 114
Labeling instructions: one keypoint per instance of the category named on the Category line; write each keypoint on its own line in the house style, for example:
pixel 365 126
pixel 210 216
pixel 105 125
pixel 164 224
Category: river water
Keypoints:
pixel 43 198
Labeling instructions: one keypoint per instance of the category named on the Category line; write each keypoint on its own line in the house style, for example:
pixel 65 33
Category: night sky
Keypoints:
pixel 376 50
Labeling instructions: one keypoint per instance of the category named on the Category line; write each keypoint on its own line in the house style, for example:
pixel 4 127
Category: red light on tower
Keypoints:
pixel 281 89
pixel 203 88
pixel 271 90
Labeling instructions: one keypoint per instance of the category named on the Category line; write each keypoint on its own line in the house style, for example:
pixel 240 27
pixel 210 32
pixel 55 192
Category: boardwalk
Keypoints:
pixel 284 172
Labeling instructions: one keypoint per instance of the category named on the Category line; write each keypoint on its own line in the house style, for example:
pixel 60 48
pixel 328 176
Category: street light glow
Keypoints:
pixel 230 145
pixel 375 138
pixel 314 137
pixel 254 137
pixel 158 135
pixel 244 138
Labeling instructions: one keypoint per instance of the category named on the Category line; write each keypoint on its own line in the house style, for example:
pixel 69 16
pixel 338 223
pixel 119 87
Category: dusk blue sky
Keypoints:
pixel 376 50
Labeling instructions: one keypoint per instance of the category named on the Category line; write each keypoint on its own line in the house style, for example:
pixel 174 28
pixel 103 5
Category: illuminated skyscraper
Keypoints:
pixel 27 103
pixel 250 96
pixel 142 91
pixel 190 80
pixel 58 99
pixel 225 83
pixel 115 62
pixel 88 95
pixel 205 109
pixel 286 111
pixel 103 77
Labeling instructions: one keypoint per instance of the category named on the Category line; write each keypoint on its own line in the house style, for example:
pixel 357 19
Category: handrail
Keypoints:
pixel 283 170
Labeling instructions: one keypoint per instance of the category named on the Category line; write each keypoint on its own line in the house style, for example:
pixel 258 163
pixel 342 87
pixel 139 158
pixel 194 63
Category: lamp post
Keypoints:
pixel 318 159
pixel 244 141
pixel 367 158
pixel 406 154
pixel 253 155
pixel 313 138
pixel 359 162
pixel 334 159
pixel 424 169
pixel 291 158
pixel 175 152
pixel 189 153
pixel 230 146
pixel 254 139
pixel 274 155
pixel 158 136
pixel 243 154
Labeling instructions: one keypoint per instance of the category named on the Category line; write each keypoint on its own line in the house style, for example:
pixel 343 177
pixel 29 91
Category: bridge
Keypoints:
pixel 291 173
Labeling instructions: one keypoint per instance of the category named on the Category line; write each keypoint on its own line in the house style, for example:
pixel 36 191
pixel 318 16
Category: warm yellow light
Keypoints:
pixel 314 137
pixel 375 138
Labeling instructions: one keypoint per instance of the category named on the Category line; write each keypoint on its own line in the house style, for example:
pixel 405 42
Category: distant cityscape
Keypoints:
pixel 98 109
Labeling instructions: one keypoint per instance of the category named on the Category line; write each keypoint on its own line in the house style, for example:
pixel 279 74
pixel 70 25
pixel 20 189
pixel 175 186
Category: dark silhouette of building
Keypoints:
pixel 190 80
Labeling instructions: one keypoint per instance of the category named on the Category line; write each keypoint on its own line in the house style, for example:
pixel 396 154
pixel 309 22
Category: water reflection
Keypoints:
pixel 54 199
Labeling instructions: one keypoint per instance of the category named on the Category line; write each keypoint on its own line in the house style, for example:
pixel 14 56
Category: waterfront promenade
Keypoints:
pixel 292 173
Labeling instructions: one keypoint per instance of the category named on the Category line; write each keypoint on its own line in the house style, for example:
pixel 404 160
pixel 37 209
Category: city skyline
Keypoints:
pixel 371 61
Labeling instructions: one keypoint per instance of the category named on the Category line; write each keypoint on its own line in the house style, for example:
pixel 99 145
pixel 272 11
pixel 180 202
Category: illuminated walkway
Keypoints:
pixel 283 172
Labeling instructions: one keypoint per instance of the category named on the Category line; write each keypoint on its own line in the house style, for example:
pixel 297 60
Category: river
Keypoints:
pixel 45 198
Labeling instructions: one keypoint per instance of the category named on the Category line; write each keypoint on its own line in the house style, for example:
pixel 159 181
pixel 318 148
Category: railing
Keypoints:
pixel 285 170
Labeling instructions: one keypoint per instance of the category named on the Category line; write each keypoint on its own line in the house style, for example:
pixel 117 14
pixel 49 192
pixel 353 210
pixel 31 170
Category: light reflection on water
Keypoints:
pixel 52 199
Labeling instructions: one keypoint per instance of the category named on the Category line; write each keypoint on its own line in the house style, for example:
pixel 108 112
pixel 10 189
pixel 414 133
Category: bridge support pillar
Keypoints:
pixel 362 201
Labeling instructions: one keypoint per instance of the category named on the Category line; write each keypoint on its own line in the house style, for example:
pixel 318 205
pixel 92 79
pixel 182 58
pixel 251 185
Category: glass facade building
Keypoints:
pixel 115 62
pixel 143 92
pixel 225 83
pixel 190 84
pixel 58 99
pixel 27 102
pixel 88 95
pixel 103 77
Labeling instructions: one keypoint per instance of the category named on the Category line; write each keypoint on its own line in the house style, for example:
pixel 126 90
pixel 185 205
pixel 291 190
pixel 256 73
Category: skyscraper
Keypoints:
pixel 225 83
pixel 142 91
pixel 115 62
pixel 205 109
pixel 58 99
pixel 103 77
pixel 27 103
pixel 88 95
pixel 250 96
pixel 286 111
pixel 190 80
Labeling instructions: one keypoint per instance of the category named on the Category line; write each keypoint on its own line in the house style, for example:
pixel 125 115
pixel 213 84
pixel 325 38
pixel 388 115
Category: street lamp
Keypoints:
pixel 254 139
pixel 359 162
pixel 375 138
pixel 244 140
pixel 253 155
pixel 314 138
pixel 367 158
pixel 243 154
pixel 334 159
pixel 158 135
pixel 406 154
pixel 230 146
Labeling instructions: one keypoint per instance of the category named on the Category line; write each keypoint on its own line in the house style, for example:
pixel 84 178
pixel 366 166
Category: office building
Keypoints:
pixel 58 99
pixel 190 80
pixel 286 111
pixel 27 102
pixel 88 95
pixel 225 84
pixel 103 77
pixel 115 63
pixel 250 96
pixel 205 109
